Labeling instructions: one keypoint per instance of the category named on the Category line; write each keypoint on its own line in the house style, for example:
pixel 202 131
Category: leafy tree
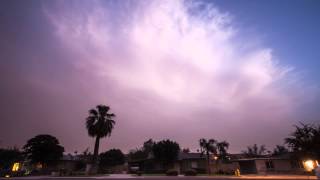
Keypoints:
pixel 278 150
pixel 137 154
pixel 112 157
pixel 9 156
pixel 305 141
pixel 147 146
pixel 186 150
pixel 99 124
pixel 255 151
pixel 166 151
pixel 43 148
pixel 142 153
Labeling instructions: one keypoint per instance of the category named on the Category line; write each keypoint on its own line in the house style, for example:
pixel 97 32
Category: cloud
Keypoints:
pixel 184 61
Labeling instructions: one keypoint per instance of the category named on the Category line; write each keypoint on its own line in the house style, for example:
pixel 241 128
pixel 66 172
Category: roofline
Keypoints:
pixel 261 158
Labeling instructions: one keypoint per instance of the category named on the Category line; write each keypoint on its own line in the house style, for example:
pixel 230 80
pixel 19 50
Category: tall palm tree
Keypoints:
pixel 99 124
pixel 208 147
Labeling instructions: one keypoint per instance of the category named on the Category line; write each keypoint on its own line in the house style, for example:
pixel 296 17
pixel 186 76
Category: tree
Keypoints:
pixel 137 154
pixel 279 150
pixel 222 149
pixel 255 151
pixel 112 157
pixel 166 151
pixel 9 156
pixel 43 149
pixel 142 153
pixel 186 150
pixel 305 141
pixel 99 124
pixel 147 146
pixel 208 147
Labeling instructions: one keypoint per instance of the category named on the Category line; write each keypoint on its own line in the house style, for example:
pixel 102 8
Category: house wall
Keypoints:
pixel 260 166
pixel 280 166
pixel 248 167
pixel 68 165
pixel 197 164
pixel 226 168
pixel 114 169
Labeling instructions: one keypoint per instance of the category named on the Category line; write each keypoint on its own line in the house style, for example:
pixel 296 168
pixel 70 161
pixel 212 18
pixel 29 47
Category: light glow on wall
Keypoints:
pixel 309 165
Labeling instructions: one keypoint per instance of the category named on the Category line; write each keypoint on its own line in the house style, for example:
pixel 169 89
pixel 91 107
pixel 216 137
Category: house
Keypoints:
pixel 188 161
pixel 270 164
pixel 184 162
pixel 66 165
pixel 198 162
pixel 267 164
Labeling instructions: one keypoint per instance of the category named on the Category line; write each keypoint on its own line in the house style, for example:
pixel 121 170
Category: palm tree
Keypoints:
pixel 222 148
pixel 99 124
pixel 279 150
pixel 208 147
pixel 255 151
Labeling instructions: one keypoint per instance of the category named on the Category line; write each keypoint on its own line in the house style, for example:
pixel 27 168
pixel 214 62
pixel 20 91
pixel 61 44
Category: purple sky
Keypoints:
pixel 168 69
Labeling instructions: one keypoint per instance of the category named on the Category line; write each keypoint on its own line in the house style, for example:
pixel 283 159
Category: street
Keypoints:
pixel 128 177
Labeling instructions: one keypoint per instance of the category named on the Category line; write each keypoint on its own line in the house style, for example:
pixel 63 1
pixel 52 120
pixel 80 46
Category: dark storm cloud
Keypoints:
pixel 165 74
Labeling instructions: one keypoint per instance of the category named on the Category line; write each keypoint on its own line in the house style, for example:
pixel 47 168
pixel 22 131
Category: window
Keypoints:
pixel 269 165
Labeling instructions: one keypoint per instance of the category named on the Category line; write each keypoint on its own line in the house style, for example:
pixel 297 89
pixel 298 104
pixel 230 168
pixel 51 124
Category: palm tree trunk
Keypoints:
pixel 96 150
pixel 93 165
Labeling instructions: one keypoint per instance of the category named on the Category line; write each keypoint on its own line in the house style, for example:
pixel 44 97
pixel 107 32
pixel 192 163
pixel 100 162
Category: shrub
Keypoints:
pixel 220 172
pixel 139 173
pixel 190 172
pixel 172 172
pixel 227 172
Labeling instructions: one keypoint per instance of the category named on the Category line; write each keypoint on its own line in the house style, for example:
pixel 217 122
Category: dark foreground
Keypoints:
pixel 167 178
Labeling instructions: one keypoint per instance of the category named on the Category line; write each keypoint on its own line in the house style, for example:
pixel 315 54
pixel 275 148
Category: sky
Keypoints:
pixel 241 71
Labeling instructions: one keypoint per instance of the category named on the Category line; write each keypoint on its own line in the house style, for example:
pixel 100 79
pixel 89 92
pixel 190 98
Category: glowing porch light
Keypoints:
pixel 39 165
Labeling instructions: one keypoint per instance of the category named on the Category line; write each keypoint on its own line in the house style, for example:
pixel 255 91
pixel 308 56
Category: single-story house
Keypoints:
pixel 270 165
pixel 188 161
pixel 184 162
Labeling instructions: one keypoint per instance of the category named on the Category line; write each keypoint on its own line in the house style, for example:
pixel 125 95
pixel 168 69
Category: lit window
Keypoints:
pixel 15 167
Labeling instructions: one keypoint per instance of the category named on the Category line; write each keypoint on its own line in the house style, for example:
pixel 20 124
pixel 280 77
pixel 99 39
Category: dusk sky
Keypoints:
pixel 240 71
